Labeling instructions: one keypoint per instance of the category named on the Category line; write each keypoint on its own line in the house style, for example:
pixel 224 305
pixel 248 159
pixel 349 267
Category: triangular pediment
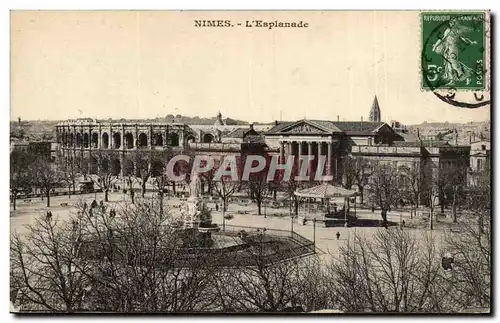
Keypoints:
pixel 304 127
pixel 384 128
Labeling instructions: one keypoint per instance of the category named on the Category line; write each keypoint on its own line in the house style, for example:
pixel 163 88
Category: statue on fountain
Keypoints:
pixel 195 212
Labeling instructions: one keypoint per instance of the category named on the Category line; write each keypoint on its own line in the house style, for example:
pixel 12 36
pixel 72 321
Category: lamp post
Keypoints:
pixel 345 214
pixel 314 234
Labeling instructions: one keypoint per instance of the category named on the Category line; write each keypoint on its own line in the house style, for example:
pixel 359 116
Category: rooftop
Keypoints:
pixel 331 126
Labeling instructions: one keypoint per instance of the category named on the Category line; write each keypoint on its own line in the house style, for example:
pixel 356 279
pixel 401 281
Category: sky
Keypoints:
pixel 146 64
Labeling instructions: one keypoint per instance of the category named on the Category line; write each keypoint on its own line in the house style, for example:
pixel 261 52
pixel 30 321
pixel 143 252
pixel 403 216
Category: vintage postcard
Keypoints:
pixel 250 162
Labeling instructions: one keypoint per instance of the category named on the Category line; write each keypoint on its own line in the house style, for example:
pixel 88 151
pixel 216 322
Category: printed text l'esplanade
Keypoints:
pixel 276 24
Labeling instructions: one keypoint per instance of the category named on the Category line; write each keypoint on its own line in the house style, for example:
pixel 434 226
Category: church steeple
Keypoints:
pixel 218 120
pixel 375 111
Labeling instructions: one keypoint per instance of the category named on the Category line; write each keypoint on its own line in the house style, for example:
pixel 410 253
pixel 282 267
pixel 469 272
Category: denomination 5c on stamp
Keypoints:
pixel 453 51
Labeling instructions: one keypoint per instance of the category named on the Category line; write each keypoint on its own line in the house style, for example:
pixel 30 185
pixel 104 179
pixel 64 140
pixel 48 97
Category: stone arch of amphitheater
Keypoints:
pixel 116 146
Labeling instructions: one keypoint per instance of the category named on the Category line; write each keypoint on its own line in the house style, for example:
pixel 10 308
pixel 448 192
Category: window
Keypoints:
pixel 479 164
pixel 483 147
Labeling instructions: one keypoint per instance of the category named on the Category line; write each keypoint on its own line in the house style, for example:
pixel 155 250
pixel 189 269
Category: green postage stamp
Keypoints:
pixel 454 53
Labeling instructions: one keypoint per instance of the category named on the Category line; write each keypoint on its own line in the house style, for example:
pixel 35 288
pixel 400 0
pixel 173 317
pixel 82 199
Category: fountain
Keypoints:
pixel 196 218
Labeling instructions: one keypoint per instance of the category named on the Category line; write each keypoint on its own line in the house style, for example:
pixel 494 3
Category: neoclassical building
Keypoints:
pixel 337 141
pixel 333 139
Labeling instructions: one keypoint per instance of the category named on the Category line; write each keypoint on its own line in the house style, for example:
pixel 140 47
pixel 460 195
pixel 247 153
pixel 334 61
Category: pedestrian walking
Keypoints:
pixel 338 235
pixel 49 215
pixel 216 207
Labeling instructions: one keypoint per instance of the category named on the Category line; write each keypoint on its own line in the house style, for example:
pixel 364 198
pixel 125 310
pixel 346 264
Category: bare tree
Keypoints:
pixel 291 185
pixel 357 171
pixel 258 188
pixel 144 161
pixel 46 176
pixel 142 170
pixel 393 271
pixel 123 263
pixel 46 269
pixel 384 188
pixel 106 174
pixel 263 287
pixel 181 166
pixel 207 181
pixel 412 182
pixel 470 247
pixel 69 174
pixel 138 257
pixel 225 188
pixel 471 272
pixel 160 182
pixel 20 177
pixel 449 182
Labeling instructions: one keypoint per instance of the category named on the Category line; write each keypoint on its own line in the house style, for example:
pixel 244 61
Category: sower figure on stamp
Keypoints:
pixel 448 47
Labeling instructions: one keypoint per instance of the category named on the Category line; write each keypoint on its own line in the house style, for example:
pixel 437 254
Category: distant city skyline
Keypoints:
pixel 147 64
pixel 224 117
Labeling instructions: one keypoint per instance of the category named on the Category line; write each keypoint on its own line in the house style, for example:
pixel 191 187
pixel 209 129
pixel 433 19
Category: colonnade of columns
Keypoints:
pixel 311 148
